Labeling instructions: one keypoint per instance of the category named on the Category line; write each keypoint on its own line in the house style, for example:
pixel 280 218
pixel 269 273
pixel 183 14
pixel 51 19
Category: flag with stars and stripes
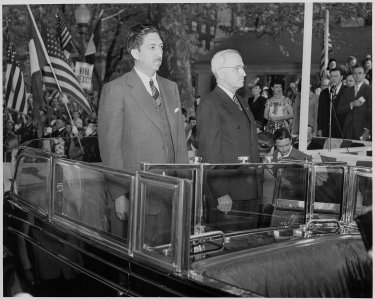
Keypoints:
pixel 63 35
pixel 15 90
pixel 57 64
pixel 327 48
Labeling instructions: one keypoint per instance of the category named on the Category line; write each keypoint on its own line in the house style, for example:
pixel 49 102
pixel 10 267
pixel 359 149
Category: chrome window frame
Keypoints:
pixel 313 183
pixel 32 152
pixel 107 238
pixel 180 244
pixel 351 191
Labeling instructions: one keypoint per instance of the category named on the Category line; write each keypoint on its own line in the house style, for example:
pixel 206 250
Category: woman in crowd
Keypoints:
pixel 257 105
pixel 278 111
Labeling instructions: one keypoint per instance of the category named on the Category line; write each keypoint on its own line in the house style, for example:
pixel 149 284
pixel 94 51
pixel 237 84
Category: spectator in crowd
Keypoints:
pixel 284 149
pixel 227 130
pixel 140 120
pixel 351 62
pixel 311 145
pixel 192 142
pixel 192 122
pixel 197 100
pixel 265 92
pixel 60 130
pixel 356 108
pixel 278 111
pixel 368 69
pixel 313 108
pixel 257 105
pixel 334 93
pixel 68 128
pixel 75 150
pixel 296 88
pixel 332 64
pixel 27 132
pixel 77 120
pixel 10 140
pixel 184 114
pixel 349 81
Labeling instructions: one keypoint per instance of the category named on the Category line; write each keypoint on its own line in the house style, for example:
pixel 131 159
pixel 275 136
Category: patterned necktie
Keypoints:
pixel 333 93
pixel 155 93
pixel 235 100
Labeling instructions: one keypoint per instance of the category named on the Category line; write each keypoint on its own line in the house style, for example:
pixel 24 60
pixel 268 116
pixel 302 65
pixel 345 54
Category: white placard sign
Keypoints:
pixel 83 72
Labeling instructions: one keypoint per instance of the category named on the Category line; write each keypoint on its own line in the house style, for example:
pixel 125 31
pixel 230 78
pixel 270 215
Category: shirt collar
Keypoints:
pixel 338 87
pixel 359 85
pixel 228 92
pixel 146 80
pixel 281 156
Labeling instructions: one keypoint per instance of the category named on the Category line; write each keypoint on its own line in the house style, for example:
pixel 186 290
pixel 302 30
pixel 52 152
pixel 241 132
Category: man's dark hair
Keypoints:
pixel 282 133
pixel 136 33
pixel 359 66
pixel 336 69
pixel 184 111
pixel 191 118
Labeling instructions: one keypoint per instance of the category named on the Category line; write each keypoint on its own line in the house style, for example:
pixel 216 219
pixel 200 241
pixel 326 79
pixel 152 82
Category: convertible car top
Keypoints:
pixel 298 239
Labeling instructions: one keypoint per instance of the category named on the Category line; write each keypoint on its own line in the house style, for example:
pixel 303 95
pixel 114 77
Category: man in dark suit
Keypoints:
pixel 227 130
pixel 333 93
pixel 356 108
pixel 60 130
pixel 140 118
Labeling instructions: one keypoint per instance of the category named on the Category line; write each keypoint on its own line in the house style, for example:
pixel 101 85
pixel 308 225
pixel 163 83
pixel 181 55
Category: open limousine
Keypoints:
pixel 300 240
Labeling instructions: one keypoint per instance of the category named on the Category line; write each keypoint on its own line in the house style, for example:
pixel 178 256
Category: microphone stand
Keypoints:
pixel 331 90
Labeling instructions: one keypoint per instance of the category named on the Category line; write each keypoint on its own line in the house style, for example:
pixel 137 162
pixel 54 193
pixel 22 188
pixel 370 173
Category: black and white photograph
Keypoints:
pixel 187 149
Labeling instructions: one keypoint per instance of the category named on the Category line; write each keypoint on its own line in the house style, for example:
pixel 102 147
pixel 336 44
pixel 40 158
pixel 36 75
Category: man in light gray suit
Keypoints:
pixel 140 116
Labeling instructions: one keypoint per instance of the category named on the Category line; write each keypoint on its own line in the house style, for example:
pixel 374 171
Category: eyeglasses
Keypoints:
pixel 238 68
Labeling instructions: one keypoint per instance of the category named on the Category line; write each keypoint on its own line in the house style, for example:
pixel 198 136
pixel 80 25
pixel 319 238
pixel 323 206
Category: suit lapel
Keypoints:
pixel 141 96
pixel 170 107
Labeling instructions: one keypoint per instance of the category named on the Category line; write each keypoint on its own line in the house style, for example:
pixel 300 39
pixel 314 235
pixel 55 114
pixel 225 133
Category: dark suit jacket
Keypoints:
pixel 358 118
pixel 128 129
pixel 323 113
pixel 224 134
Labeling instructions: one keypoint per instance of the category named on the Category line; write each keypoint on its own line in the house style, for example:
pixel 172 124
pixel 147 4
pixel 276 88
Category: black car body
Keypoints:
pixel 62 233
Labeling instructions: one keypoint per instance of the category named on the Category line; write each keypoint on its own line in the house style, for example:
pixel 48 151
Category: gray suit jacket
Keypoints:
pixel 128 129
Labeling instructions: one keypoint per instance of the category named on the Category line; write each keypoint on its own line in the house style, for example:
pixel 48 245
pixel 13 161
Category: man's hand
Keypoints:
pixel 358 102
pixel 224 203
pixel 365 135
pixel 121 207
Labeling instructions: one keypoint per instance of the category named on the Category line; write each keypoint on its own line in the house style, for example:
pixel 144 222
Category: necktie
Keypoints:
pixel 155 93
pixel 235 100
pixel 333 93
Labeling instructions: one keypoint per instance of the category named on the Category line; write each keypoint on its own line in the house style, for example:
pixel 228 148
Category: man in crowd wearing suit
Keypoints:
pixel 140 117
pixel 333 93
pixel 226 131
pixel 356 108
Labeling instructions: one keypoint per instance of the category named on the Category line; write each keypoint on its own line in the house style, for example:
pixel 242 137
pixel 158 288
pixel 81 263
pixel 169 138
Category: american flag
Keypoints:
pixel 15 90
pixel 63 34
pixel 327 44
pixel 64 73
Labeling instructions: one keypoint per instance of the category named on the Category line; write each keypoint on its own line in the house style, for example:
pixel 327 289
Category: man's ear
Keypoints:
pixel 220 74
pixel 135 53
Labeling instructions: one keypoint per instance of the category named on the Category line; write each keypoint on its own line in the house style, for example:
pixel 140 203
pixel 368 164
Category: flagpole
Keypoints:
pixel 53 71
pixel 326 33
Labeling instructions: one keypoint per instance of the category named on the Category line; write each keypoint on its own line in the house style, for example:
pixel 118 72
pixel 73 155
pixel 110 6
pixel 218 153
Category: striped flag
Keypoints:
pixel 55 63
pixel 15 90
pixel 327 48
pixel 63 35
pixel 93 44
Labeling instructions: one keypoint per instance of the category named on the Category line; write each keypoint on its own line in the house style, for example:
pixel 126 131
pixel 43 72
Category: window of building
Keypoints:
pixel 203 43
pixel 212 44
pixel 212 30
pixel 203 28
pixel 194 25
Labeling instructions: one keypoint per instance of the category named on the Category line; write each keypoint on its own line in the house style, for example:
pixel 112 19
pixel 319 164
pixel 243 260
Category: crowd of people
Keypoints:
pixel 273 106
pixel 53 121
